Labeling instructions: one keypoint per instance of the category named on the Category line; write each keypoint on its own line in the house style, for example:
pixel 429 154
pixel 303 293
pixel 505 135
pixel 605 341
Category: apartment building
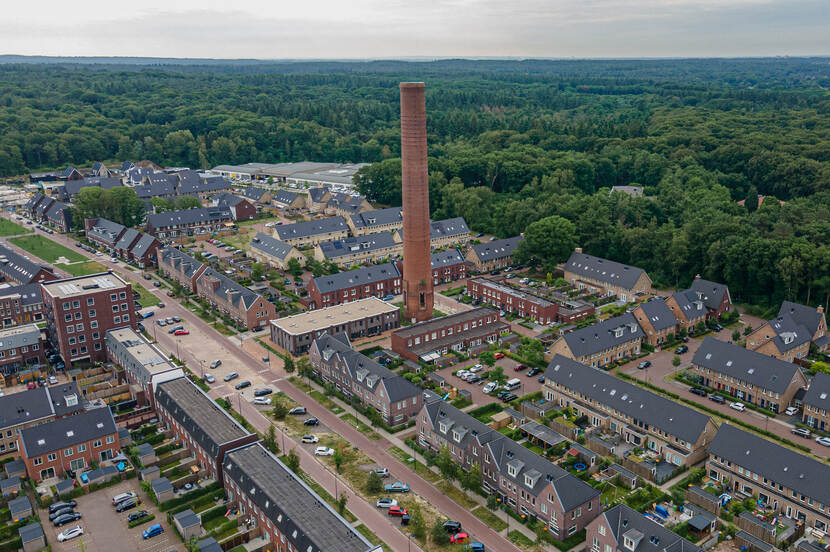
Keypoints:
pixel 378 220
pixel 816 403
pixel 526 482
pixel 190 222
pixel 245 307
pixel 273 252
pixel 21 346
pixel 444 233
pixel 200 424
pixel 429 340
pixel 367 248
pixel 127 243
pixel 507 299
pixel 624 529
pixel 604 277
pixel 74 443
pixel 355 375
pixel 17 269
pixel 656 320
pixel 181 267
pixel 79 311
pixel 240 207
pixel 493 255
pixel 32 407
pixel 790 335
pixel 601 344
pixel 20 304
pixel 788 482
pixel 361 318
pixel 677 433
pixel 344 287
pixel 748 376
pixel 285 510
pixel 312 232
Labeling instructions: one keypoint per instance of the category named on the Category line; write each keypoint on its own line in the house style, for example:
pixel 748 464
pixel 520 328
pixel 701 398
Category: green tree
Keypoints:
pixel 187 202
pixel 736 335
pixel 279 411
pixel 438 534
pixel 417 522
pixel 446 465
pixel 487 358
pixel 675 361
pixel 288 364
pixel 374 483
pixel 294 268
pixel 304 367
pixel 292 461
pixel 547 242
pixel 471 480
pixel 341 503
pixel 337 458
pixel 270 440
pixel 751 200
pixel 748 329
pixel 497 375
pixel 257 271
pixel 161 205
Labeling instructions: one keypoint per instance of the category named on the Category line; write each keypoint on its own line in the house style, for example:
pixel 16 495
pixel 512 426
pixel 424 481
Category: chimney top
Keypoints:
pixel 697 276
pixel 412 85
pixel 578 250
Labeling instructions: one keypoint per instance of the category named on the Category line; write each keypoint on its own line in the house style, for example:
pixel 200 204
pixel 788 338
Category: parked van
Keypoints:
pixel 152 531
pixel 123 496
pixel 515 383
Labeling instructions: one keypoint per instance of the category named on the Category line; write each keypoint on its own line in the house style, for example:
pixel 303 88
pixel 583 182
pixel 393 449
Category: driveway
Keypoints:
pixel 529 385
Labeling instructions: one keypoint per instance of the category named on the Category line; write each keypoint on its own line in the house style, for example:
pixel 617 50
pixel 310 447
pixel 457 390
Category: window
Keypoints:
pixel 67 318
pixel 81 448
pixel 90 301
pixel 79 327
pixel 110 440
pixel 115 308
pixel 123 295
pixel 113 297
pixel 66 306
pixel 78 316
pixel 117 319
pixel 92 313
pixel 38 461
pixel 69 451
pixel 97 443
pixel 52 457
pixel 93 324
pixel 601 530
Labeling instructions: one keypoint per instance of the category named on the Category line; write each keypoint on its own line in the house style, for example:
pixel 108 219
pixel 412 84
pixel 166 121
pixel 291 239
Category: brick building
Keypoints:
pixel 623 529
pixel 447 266
pixel 604 278
pixel 816 403
pixel 273 252
pixel 445 233
pixel 351 285
pixel 73 443
pixel 290 202
pixel 790 335
pixel 323 200
pixel 16 268
pixel 181 267
pixel 602 343
pixel 677 433
pixel 368 248
pixel 245 307
pixel 20 304
pixel 79 311
pixel 355 375
pixel 259 196
pixel 240 207
pixel 748 376
pixel 657 321
pixel 127 243
pixel 33 407
pixel 378 220
pixel 312 232
pixel 493 255
pixel 200 424
pixel 190 222
pixel 21 346
pixel 507 299
pixel 431 339
pixel 362 318
pixel 50 210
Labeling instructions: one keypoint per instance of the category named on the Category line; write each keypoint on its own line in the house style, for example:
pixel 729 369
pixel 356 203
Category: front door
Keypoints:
pixel 47 473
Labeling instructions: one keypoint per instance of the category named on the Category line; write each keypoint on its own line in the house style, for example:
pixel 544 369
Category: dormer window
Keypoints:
pixel 629 544
pixel 512 471
pixel 529 482
pixel 456 436
pixel 443 427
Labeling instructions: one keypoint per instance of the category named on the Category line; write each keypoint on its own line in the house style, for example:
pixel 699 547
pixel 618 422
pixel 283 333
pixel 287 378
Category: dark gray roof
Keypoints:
pixel 66 398
pixel 659 314
pixel 619 470
pixel 208 545
pixel 449 257
pixel 292 506
pixel 156 187
pixel 10 483
pixel 34 200
pixel 809 317
pixel 546 434
pixel 271 246
pixel 603 270
pixel 57 212
pixel 38 403
pixel 204 420
pixel 102 472
pixel 311 228
pixel 65 486
pixel 353 245
pixel 161 485
pixel 127 239
pixel 225 198
pixel 378 217
pixel 745 365
pixel 284 196
pixel 361 276
pixel 181 261
pixel 497 249
pixel 774 462
pixel 19 504
pixel 142 245
pixel 664 414
pixel 648 536
pixel 754 541
pixel 317 194
pixel 16 267
pixel 447 228
pixel 106 231
pixel 445 321
pixel 15 466
pixel 187 176
pixel 229 290
pixel 818 394
pixel 603 335
pixel 31 532
pixel 15 337
pixel 254 193
pixel 144 449
pixel 68 432
pixel 202 215
pixel 203 185
pixel 30 294
pixel 789 334
pixel 73 187
pixel 186 518
pixel 712 293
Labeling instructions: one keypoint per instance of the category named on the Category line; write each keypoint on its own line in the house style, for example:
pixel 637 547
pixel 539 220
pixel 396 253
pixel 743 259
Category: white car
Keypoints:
pixel 791 411
pixel 462 373
pixel 323 451
pixel 114 260
pixel 476 368
pixel 823 441
pixel 262 401
pixel 310 439
pixel 70 533
pixel 386 502
pixel 737 406
pixel 490 387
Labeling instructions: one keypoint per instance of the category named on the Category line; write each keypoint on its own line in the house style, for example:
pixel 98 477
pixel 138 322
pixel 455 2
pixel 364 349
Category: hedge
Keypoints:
pixel 193 504
pixel 8 530
pixel 213 513
pixel 152 439
pixel 189 497
pixel 12 546
pixel 137 522
pixel 164 449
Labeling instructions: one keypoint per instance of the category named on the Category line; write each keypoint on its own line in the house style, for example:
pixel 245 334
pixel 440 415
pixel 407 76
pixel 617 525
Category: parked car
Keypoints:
pixel 242 385
pixel 541 379
pixel 123 496
pixel 324 451
pixel 66 518
pixel 129 504
pixel 823 441
pixel 386 502
pixel 474 547
pixel 490 387
pixel 147 314
pixel 137 515
pixel 396 487
pixel 682 349
pixel 717 327
pixel 156 284
pixel 152 531
pixel 459 537
pixel 311 422
pixel 509 397
pixel 533 371
pixel 451 526
pixel 698 391
pixel 801 432
pixel 310 439
pixel 791 411
pixel 519 367
pixel 231 376
pixel 181 332
pixel 62 511
pixel 262 401
pixel 262 391
pixel 383 472
pixel 209 378
pixel 175 329
pixel 298 411
pixel 737 406
pixel 397 511
pixel 644 364
pixel 161 322
pixel 216 364
pixel 71 533
pixel 498 356
pixel 475 368
pixel 717 398
pixel 462 373
pixel 61 505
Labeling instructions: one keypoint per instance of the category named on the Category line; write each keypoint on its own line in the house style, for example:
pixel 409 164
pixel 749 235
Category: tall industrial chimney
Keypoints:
pixel 417 269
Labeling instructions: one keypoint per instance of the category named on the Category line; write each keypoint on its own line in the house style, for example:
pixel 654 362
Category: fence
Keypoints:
pixel 600 446
pixel 646 473
pixel 707 501
pixel 755 527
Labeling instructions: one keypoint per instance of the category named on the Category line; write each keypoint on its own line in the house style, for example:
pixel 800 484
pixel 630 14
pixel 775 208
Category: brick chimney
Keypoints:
pixel 578 250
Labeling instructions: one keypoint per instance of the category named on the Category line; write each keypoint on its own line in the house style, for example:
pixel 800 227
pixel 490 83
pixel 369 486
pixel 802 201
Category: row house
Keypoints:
pixel 21 346
pixel 493 255
pixel 258 196
pixel 395 398
pixel 704 300
pixel 311 232
pixel 79 311
pixel 624 529
pixel 675 432
pixel 46 209
pixel 379 220
pixel 816 403
pixel 273 252
pixel 447 266
pixel 191 183
pixel 153 185
pixel 792 484
pixel 357 250
pixel 371 281
pixel 604 277
pixel 748 376
pixel 245 307
pixel 20 304
pixel 427 341
pixel 507 299
pixel 362 318
pixel 444 233
pixel 204 427
pixel 290 202
pixel 72 188
pixel 32 407
pixel 18 269
pixel 323 200
pixel 283 509
pixel 601 344
pixel 715 296
pixel 52 448
pixel 126 243
pixel 190 222
pixel 240 208
pixel 656 320
pixel 527 483
pixel 790 335
pixel 181 267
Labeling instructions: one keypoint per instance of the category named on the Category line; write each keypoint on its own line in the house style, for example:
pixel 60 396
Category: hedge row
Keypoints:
pixel 193 504
pixel 137 522
pixel 189 497
pixel 12 546
pixel 214 513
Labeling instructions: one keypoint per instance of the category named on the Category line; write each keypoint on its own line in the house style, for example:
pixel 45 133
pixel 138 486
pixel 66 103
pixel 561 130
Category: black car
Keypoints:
pixel 451 526
pixel 717 327
pixel 541 379
pixel 147 277
pixel 128 504
pixel 262 391
pixel 297 411
pixel 66 518
pixel 242 384
pixel 644 364
pixel 509 397
pixel 698 391
pixel 680 350
pixel 58 513
pixel 61 505
pixel 137 515
pixel 533 371
pixel 502 394
pixel 311 422
pixel 717 398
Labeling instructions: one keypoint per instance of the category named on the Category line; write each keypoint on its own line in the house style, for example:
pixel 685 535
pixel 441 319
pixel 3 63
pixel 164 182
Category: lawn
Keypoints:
pixel 147 298
pixel 81 269
pixel 456 494
pixel 371 537
pixel 491 519
pixel 361 427
pixel 420 468
pixel 325 401
pixel 9 228
pixel 47 250
pixel 519 538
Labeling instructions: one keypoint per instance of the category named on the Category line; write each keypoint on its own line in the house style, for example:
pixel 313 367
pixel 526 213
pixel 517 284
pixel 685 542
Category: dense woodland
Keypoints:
pixel 515 146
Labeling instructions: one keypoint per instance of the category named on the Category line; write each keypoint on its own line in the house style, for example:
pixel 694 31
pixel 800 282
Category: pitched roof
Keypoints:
pixel 446 228
pixel 361 276
pixel 603 270
pixel 659 314
pixel 357 244
pixel 68 432
pixel 106 231
pixel 603 335
pixel 181 261
pixel 310 228
pixel 636 402
pixel 74 187
pixel 30 294
pixel 254 193
pixel 284 196
pixel 712 293
pixel 317 194
pixel 691 304
pixel 446 321
pixel 818 394
pixel 19 504
pixel 225 198
pixel 378 217
pixel 228 290
pixel 271 246
pixel 58 212
pixel 16 267
pixel 127 239
pixel 142 245
pixel 774 462
pixel 624 521
pixel 497 249
pixel 745 365
pixel 160 485
pixel 789 334
pixel 449 257
pixel 809 317
pixel 203 185
pixel 15 337
pixel 31 532
pixel 202 215
pixel 155 187
pixel 186 518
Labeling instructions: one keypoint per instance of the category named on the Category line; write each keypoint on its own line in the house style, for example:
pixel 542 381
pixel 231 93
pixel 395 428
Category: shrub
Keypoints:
pixel 137 522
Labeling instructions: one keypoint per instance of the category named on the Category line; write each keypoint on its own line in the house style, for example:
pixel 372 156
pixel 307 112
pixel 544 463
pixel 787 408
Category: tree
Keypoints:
pixel 736 335
pixel 492 502
pixel 438 533
pixel 304 367
pixel 675 361
pixel 487 358
pixel 257 271
pixel 161 205
pixel 471 481
pixel 700 328
pixel 446 465
pixel 341 503
pixel 294 268
pixel 270 440
pixel 337 458
pixel 187 202
pixel 288 364
pixel 417 523
pixel 748 329
pixel 547 242
pixel 751 200
pixel 279 411
pixel 292 461
pixel 497 375
pixel 374 483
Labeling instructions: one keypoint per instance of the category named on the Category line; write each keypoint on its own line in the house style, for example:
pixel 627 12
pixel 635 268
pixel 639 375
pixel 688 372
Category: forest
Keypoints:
pixel 515 146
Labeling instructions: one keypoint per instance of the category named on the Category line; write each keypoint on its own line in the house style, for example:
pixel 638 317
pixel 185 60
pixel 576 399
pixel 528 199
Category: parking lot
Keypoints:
pixel 528 385
pixel 105 530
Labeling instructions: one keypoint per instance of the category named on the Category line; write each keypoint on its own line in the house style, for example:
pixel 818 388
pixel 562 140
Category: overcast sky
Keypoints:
pixel 272 29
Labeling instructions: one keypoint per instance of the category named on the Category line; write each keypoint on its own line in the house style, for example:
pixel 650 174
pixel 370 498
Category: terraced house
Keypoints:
pixel 624 529
pixel 178 225
pixel 241 208
pixel 20 304
pixel 20 347
pixel 703 301
pixel 370 281
pixel 507 299
pixel 245 307
pixel 290 202
pixel 447 266
pixel 790 335
pixel 368 248
pixel 444 233
pixel 127 243
pixel 788 482
pixel 526 482
pixel 16 268
pixel 312 232
pixel 33 407
pixel 181 267
pixel 817 403
pixel 379 220
pixel 355 375
pixel 493 255
pixel 271 251
pixel 604 277
pixel 676 433
pixel 657 321
pixel 748 376
pixel 605 342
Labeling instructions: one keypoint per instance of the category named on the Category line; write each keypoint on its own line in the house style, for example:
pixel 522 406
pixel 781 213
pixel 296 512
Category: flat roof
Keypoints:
pixel 305 322
pixel 145 353
pixel 83 285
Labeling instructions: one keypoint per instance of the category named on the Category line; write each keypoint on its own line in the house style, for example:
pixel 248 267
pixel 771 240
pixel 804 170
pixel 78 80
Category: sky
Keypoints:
pixel 375 29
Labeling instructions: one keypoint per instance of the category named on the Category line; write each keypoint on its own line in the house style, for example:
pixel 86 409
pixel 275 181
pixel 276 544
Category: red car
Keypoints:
pixel 181 332
pixel 459 537
pixel 31 385
pixel 498 356
pixel 519 367
pixel 397 511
